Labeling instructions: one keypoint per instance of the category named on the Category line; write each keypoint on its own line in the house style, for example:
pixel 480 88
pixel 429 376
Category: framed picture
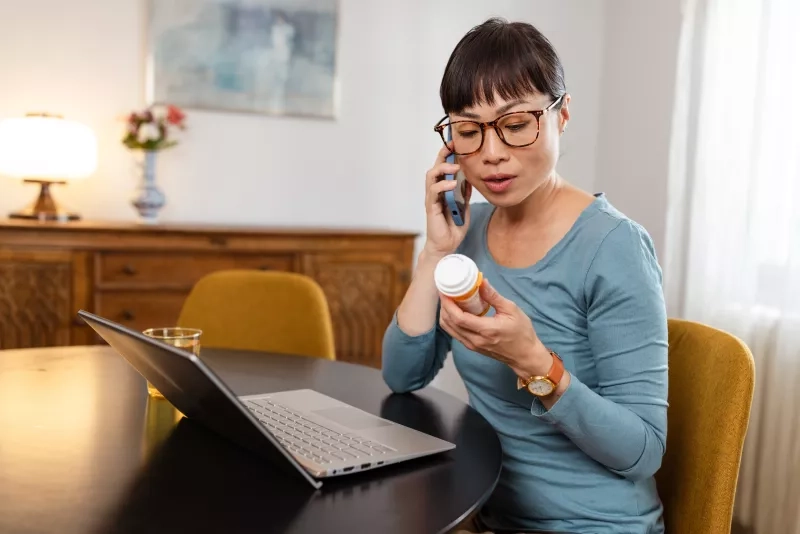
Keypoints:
pixel 276 57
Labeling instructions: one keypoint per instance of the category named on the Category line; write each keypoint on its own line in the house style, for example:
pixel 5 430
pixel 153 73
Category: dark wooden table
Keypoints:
pixel 84 449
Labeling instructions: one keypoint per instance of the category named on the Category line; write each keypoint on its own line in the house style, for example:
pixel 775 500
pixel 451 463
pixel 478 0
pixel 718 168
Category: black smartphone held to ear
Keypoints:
pixel 454 200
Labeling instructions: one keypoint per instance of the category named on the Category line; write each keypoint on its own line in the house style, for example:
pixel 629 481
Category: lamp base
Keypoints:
pixel 45 207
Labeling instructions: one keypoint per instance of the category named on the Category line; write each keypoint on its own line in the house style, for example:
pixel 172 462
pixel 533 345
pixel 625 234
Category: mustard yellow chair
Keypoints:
pixel 264 311
pixel 711 379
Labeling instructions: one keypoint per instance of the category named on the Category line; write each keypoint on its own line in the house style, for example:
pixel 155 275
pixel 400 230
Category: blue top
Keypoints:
pixel 587 464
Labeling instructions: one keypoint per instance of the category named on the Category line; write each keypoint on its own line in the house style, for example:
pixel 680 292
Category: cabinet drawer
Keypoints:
pixel 175 270
pixel 140 309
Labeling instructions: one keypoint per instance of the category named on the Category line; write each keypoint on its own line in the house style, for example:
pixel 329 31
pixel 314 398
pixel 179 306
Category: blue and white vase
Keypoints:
pixel 149 199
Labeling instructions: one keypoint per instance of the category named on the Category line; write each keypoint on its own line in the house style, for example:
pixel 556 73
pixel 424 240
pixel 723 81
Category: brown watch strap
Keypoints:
pixel 556 372
pixel 554 375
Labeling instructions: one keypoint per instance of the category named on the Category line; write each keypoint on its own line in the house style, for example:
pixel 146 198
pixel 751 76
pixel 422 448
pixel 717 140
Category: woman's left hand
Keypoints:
pixel 508 336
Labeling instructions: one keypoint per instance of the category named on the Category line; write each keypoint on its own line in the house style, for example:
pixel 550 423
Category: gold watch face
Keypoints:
pixel 541 387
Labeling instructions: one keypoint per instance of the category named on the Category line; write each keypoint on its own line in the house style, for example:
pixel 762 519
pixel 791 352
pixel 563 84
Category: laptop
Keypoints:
pixel 303 431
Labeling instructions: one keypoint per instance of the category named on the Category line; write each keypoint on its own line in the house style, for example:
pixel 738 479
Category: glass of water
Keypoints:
pixel 187 339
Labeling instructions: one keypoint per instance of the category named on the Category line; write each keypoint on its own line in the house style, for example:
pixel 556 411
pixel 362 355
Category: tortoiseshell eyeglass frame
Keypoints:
pixel 441 125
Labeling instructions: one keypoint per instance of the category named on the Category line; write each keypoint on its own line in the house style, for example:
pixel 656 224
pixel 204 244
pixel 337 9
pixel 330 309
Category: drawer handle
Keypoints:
pixel 128 315
pixel 265 268
pixel 219 241
pixel 129 269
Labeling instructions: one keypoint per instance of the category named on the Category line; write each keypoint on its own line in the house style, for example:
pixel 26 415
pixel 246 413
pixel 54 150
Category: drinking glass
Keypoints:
pixel 187 339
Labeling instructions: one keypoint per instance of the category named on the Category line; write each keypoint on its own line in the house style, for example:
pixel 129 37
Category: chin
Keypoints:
pixel 507 199
pixel 502 201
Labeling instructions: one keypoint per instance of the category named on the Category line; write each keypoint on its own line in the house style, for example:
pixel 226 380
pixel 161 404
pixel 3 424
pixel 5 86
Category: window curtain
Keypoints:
pixel 733 231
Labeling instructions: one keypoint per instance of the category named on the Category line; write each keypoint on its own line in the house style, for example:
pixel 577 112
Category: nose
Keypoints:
pixel 494 150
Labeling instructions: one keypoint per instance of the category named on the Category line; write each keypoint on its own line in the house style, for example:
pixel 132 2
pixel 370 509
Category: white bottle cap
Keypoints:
pixel 455 275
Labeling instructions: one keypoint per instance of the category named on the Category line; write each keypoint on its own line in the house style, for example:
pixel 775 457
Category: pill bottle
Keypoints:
pixel 458 277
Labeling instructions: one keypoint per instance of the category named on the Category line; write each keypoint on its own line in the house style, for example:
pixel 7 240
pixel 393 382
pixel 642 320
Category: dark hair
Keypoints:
pixel 510 58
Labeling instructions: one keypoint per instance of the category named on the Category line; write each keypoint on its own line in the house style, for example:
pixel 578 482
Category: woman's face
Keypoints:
pixel 507 175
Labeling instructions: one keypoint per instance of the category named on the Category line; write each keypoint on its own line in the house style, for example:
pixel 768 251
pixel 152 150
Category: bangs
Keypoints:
pixel 510 60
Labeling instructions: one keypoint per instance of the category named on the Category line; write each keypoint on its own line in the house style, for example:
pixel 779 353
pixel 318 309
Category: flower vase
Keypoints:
pixel 149 198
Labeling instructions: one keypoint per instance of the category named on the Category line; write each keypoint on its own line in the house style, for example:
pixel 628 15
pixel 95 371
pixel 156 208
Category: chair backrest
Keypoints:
pixel 711 380
pixel 267 311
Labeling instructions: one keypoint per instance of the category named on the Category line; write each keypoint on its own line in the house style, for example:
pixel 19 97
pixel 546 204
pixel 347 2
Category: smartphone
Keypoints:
pixel 454 201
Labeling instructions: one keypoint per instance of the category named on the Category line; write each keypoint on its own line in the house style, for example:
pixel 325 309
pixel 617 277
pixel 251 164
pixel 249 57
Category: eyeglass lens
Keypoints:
pixel 517 129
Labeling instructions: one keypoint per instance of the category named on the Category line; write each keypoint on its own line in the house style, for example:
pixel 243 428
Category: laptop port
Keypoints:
pixel 380 463
pixel 346 469
pixel 364 466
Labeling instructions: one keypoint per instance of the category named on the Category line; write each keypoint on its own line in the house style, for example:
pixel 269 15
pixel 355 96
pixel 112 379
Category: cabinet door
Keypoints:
pixel 361 289
pixel 36 305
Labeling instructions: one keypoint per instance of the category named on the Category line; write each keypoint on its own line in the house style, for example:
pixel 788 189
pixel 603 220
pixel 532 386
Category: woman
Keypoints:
pixel 573 284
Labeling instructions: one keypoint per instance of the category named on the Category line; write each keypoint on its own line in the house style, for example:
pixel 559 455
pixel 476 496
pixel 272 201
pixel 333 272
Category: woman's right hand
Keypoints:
pixel 443 236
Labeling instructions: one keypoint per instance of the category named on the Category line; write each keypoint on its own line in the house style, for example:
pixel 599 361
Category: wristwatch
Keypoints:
pixel 542 386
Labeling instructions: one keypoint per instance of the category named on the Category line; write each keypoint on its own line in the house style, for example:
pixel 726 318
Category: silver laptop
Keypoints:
pixel 304 431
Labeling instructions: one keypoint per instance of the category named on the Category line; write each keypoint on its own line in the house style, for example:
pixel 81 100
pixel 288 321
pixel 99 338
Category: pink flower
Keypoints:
pixel 175 116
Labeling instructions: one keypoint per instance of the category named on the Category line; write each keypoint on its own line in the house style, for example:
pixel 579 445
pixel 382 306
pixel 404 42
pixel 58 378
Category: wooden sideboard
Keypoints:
pixel 139 276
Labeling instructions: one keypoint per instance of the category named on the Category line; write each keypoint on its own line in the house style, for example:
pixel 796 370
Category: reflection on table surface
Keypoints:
pixel 84 448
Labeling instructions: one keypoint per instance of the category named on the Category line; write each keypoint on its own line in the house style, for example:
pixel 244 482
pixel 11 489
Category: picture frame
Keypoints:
pixel 268 57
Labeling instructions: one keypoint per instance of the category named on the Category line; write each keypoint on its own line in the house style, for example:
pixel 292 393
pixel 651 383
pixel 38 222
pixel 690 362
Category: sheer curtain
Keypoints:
pixel 733 244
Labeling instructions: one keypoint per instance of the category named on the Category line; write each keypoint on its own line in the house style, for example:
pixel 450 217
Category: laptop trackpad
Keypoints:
pixel 352 418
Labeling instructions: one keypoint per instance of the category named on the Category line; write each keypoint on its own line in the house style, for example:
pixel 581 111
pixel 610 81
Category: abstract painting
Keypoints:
pixel 275 57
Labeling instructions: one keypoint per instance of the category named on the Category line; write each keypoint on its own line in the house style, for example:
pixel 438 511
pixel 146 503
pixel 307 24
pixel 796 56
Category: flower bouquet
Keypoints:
pixel 150 131
pixel 152 128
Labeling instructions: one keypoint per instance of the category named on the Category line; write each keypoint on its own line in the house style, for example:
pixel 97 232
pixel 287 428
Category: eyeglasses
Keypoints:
pixel 516 129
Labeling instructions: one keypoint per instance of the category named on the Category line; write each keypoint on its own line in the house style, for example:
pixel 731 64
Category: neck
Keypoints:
pixel 537 208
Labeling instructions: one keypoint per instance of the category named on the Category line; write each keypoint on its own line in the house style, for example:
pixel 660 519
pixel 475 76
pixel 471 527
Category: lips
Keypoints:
pixel 497 183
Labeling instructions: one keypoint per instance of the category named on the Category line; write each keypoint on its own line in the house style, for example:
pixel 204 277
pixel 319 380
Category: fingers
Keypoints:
pixel 448 307
pixel 445 151
pixel 445 317
pixel 460 320
pixel 456 322
pixel 471 323
pixel 440 169
pixel 442 186
pixel 446 326
pixel 437 188
pixel 435 171
pixel 495 299
pixel 467 209
pixel 469 339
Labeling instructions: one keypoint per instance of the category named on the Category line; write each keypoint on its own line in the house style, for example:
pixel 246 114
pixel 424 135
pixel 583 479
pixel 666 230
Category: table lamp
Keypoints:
pixel 46 149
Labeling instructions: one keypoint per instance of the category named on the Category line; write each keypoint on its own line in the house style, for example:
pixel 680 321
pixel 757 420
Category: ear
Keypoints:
pixel 564 113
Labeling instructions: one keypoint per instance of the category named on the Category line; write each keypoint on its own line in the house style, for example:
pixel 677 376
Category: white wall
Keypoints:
pixel 639 67
pixel 85 59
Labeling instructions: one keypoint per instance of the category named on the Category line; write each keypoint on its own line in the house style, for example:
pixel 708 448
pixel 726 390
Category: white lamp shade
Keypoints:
pixel 47 147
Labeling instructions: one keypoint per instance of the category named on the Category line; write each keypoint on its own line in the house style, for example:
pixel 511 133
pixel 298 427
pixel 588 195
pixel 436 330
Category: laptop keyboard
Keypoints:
pixel 312 440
